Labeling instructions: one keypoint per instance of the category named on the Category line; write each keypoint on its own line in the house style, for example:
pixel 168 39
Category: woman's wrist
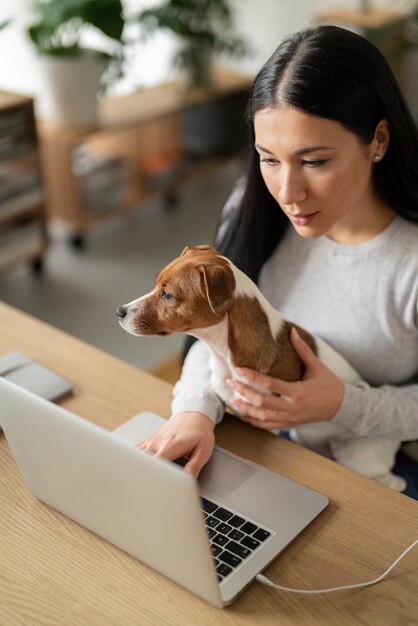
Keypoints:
pixel 195 416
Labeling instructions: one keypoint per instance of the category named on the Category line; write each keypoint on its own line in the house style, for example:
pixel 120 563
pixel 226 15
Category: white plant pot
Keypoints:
pixel 69 90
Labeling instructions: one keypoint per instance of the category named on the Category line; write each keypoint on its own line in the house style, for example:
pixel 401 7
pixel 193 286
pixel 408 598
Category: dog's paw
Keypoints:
pixel 393 481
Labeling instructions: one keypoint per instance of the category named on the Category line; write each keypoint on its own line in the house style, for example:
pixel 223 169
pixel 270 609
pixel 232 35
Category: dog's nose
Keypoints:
pixel 121 311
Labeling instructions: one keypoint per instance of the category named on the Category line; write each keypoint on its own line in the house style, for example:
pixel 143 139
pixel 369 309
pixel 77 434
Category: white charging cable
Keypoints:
pixel 266 581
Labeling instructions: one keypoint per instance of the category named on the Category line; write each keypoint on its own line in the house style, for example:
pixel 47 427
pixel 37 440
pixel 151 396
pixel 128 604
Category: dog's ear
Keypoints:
pixel 217 283
pixel 203 248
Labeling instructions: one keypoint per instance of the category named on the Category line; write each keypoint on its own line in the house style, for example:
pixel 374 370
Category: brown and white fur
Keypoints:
pixel 204 295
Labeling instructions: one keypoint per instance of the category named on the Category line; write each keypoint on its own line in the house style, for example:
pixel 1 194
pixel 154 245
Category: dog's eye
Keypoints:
pixel 165 295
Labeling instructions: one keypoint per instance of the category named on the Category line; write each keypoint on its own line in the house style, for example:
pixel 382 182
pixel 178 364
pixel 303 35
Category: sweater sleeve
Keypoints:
pixel 193 391
pixel 380 411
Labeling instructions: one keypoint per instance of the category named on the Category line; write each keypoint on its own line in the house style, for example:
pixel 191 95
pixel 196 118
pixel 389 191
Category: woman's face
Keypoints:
pixel 318 172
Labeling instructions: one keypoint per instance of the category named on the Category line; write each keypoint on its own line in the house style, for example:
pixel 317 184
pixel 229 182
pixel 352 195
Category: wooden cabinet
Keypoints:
pixel 385 28
pixel 137 150
pixel 22 219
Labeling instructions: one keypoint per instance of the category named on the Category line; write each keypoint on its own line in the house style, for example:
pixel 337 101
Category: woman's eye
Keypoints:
pixel 269 162
pixel 316 163
pixel 165 295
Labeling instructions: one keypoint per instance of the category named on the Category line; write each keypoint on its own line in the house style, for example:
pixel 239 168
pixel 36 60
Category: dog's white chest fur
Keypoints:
pixel 221 366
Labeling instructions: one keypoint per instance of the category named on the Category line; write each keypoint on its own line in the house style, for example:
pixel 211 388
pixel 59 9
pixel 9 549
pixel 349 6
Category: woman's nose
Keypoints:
pixel 291 188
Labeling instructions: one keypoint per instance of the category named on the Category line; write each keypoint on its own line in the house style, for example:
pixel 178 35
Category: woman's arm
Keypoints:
pixel 196 410
pixel 380 411
pixel 193 391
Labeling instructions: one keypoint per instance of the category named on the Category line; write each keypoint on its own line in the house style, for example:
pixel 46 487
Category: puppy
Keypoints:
pixel 201 293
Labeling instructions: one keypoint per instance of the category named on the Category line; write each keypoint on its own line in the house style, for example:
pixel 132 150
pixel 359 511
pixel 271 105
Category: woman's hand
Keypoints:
pixel 315 398
pixel 187 435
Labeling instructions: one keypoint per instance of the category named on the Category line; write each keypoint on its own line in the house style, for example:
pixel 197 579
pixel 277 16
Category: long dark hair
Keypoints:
pixel 335 74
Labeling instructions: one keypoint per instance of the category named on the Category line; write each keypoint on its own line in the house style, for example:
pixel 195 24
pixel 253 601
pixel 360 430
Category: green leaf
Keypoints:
pixel 58 12
pixel 40 36
pixel 4 24
pixel 105 15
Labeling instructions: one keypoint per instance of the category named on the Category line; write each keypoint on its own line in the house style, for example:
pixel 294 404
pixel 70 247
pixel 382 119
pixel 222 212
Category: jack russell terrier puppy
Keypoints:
pixel 204 295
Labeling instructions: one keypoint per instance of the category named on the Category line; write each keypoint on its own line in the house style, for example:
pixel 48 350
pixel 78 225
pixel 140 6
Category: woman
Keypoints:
pixel 327 225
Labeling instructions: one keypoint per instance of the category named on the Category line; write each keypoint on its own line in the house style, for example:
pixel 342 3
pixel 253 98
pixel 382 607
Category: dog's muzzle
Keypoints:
pixel 133 319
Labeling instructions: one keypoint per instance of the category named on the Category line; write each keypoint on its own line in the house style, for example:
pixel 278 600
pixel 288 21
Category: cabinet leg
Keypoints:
pixel 78 242
pixel 171 200
pixel 37 266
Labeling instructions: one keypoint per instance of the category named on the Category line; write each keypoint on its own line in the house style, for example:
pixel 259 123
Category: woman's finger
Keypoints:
pixel 267 425
pixel 261 400
pixel 267 383
pixel 261 415
pixel 303 350
pixel 147 444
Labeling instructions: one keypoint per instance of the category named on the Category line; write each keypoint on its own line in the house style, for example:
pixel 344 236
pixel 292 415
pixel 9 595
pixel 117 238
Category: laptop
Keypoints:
pixel 212 536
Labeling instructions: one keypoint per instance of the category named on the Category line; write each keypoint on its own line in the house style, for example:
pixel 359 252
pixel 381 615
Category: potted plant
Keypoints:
pixel 73 70
pixel 204 28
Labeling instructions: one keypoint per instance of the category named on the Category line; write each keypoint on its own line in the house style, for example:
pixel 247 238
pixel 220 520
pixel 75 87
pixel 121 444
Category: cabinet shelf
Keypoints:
pixel 22 217
pixel 136 152
pixel 25 241
pixel 25 206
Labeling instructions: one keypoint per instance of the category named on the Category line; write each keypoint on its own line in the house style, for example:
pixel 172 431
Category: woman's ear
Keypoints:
pixel 381 140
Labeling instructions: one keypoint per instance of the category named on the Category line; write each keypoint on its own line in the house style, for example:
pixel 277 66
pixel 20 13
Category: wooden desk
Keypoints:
pixel 53 571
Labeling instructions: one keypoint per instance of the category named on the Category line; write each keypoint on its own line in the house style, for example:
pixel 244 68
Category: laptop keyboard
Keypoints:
pixel 232 538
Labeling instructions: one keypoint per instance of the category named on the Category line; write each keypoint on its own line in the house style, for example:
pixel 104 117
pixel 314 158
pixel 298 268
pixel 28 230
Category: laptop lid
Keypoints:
pixel 144 505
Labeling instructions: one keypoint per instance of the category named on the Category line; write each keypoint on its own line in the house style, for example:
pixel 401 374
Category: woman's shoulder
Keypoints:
pixel 407 229
pixel 402 252
pixel 405 236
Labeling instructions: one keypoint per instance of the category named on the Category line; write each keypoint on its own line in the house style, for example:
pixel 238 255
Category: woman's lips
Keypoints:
pixel 302 220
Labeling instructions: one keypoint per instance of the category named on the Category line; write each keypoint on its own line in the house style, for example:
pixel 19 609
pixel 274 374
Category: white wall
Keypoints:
pixel 266 22
pixel 263 22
